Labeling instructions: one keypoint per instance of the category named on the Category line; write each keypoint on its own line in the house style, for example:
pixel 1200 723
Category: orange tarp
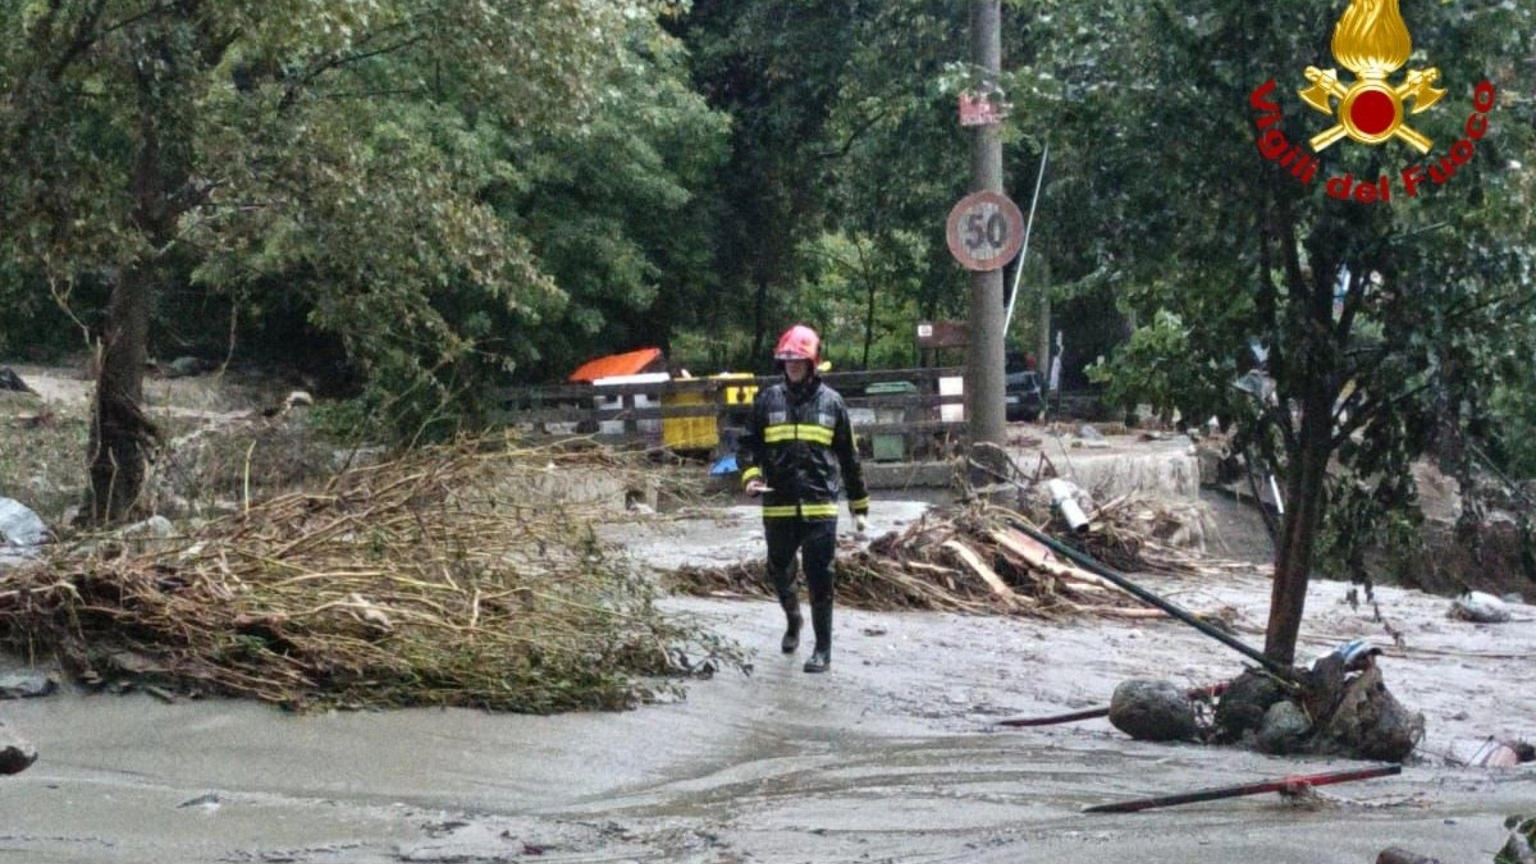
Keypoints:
pixel 628 363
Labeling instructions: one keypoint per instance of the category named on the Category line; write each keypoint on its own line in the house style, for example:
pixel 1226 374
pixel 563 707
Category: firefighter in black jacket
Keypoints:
pixel 798 454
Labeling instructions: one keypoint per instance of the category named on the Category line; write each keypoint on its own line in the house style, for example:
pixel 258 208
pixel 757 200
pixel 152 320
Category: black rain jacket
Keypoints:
pixel 800 442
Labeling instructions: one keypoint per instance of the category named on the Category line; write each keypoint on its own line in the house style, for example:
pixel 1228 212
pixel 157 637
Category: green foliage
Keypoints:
pixel 1150 368
pixel 449 191
pixel 1434 292
pixel 1513 422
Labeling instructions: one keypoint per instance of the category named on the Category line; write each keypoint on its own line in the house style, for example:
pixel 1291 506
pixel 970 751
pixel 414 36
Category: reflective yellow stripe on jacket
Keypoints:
pixel 807 511
pixel 797 432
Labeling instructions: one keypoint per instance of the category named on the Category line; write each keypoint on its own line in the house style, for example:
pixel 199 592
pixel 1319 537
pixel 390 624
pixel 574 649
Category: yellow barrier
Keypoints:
pixel 699 433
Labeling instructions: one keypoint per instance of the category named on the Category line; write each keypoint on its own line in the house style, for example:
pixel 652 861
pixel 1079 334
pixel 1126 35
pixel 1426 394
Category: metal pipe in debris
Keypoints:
pixel 1292 784
pixel 1151 599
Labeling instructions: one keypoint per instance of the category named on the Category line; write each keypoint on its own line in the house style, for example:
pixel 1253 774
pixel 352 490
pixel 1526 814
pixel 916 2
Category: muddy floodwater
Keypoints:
pixel 891 757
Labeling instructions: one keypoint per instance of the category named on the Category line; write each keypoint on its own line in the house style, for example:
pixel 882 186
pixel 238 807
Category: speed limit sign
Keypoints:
pixel 985 231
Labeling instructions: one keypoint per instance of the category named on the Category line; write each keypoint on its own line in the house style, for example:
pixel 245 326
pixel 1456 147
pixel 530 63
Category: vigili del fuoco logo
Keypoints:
pixel 1371 41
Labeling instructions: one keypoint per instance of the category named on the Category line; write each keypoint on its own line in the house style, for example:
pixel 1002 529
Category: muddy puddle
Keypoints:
pixel 891 757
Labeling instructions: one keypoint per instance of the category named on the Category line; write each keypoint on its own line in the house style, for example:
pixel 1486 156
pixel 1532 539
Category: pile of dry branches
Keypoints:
pixel 437 579
pixel 969 560
pixel 1146 534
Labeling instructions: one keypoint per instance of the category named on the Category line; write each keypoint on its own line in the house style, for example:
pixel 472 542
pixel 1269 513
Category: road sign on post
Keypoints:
pixel 942 334
pixel 985 231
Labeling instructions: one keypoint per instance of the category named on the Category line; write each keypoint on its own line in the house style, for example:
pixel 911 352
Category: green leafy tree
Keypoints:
pixel 1383 321
pixel 238 144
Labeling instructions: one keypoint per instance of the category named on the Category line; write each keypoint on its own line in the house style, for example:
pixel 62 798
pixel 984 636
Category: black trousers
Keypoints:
pixel 816 541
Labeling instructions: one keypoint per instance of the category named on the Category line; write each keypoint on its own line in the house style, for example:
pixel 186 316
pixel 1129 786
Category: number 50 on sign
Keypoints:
pixel 985 231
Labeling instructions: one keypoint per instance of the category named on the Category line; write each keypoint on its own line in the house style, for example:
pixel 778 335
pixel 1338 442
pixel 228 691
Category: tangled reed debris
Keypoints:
pixel 450 576
pixel 966 560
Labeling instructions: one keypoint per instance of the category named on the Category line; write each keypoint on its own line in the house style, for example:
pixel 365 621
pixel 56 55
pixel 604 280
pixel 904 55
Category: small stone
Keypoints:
pixel 155 526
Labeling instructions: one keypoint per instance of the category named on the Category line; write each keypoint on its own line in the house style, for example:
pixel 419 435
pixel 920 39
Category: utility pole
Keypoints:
pixel 984 353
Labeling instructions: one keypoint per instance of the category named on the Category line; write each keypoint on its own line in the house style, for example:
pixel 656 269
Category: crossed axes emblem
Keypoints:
pixel 1371 110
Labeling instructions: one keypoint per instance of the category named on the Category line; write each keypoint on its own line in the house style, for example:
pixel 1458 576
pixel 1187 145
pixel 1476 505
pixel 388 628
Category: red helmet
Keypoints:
pixel 798 343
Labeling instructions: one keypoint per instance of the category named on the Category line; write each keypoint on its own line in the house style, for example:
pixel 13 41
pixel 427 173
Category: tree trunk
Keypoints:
pixel 759 318
pixel 869 320
pixel 1305 502
pixel 122 438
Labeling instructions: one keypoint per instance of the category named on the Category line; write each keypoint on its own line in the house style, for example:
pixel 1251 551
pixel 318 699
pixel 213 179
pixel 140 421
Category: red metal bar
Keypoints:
pixel 1294 783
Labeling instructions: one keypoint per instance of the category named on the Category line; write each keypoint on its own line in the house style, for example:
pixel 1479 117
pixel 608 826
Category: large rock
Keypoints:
pixel 1370 723
pixel 1151 710
pixel 16 755
pixel 1284 729
pixel 1522 838
pixel 9 380
pixel 1244 705
pixel 1481 608
pixel 21 531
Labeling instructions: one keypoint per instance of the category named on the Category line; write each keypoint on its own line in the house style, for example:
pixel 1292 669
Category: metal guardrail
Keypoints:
pixel 543 410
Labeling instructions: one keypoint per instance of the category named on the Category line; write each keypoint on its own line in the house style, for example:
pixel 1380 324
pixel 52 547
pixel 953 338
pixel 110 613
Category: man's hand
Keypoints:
pixel 860 525
pixel 756 487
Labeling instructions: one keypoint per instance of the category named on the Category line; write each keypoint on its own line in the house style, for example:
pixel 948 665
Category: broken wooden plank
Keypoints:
pixel 1121 612
pixel 1037 556
pixel 987 574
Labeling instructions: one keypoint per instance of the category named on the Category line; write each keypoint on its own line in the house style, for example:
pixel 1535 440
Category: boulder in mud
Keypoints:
pixel 1520 848
pixel 1284 730
pixel 1152 710
pixel 1480 608
pixel 1244 705
pixel 1370 723
pixel 9 380
pixel 16 755
pixel 1396 855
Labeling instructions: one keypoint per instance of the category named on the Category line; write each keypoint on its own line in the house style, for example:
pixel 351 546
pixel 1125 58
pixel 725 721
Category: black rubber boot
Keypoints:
pixel 821 622
pixel 793 622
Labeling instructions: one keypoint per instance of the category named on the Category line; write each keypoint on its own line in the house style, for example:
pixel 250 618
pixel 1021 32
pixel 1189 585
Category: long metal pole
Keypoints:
pixel 984 382
pixel 1149 598
pixel 1029 227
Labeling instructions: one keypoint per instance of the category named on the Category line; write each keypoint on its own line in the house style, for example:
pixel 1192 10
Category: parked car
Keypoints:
pixel 1024 391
